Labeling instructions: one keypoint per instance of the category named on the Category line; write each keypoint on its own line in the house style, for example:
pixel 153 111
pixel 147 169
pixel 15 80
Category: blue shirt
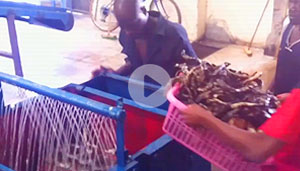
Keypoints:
pixel 288 65
pixel 164 48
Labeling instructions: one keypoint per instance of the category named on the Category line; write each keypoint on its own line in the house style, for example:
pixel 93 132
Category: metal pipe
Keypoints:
pixel 53 3
pixel 4 168
pixel 6 54
pixel 85 103
pixel 29 7
pixel 136 82
pixel 121 159
pixel 14 44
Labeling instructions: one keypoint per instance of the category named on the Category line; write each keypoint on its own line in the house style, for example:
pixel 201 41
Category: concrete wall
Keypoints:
pixel 234 21
pixel 193 13
pixel 193 16
pixel 229 21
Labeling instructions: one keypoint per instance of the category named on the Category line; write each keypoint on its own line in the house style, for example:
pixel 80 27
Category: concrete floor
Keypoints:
pixel 239 61
pixel 56 58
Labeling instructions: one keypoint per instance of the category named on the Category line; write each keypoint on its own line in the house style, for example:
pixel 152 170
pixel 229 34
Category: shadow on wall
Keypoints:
pixel 218 30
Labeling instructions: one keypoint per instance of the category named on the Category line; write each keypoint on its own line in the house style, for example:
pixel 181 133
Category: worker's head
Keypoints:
pixel 294 11
pixel 132 16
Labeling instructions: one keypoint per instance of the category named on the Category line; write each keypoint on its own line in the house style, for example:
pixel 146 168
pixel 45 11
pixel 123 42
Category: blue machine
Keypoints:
pixel 53 17
pixel 118 85
pixel 57 18
pixel 161 154
pixel 164 153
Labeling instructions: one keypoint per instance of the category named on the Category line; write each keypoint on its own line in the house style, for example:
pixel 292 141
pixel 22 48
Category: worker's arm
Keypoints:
pixel 125 69
pixel 282 97
pixel 283 128
pixel 185 43
pixel 253 146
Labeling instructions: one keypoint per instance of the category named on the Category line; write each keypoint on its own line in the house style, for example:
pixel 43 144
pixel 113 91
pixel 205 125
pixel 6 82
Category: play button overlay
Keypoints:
pixel 147 85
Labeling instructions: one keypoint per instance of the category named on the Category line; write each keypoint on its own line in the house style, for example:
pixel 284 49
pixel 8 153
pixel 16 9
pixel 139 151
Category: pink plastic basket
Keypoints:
pixel 201 141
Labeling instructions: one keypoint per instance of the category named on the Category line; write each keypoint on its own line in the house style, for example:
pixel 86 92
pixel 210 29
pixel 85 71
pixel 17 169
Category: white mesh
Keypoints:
pixel 41 133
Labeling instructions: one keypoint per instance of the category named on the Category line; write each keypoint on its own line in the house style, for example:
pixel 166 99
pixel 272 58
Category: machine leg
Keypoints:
pixel 14 44
pixel 120 139
pixel 1 101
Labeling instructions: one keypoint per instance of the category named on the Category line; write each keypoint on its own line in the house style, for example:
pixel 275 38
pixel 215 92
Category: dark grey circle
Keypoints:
pixel 137 85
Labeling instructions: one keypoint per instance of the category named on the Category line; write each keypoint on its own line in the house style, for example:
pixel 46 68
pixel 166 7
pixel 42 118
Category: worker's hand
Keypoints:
pixel 196 115
pixel 101 70
pixel 282 97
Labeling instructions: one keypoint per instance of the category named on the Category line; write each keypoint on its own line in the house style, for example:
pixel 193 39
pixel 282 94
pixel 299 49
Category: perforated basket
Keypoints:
pixel 201 141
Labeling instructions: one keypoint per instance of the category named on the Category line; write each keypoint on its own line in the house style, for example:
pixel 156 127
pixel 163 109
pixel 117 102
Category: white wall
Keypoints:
pixel 193 16
pixel 238 19
pixel 193 19
pixel 230 21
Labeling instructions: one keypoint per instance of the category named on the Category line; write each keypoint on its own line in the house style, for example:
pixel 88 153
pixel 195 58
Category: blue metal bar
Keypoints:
pixel 14 44
pixel 150 150
pixel 4 168
pixel 17 5
pixel 85 103
pixel 53 3
pixel 58 18
pixel 1 100
pixel 115 98
pixel 137 82
pixel 154 146
pixel 120 138
pixel 4 11
pixel 6 54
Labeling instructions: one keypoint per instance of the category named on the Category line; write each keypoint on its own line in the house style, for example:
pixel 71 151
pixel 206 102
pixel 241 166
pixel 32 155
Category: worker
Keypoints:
pixel 148 38
pixel 288 65
pixel 279 137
